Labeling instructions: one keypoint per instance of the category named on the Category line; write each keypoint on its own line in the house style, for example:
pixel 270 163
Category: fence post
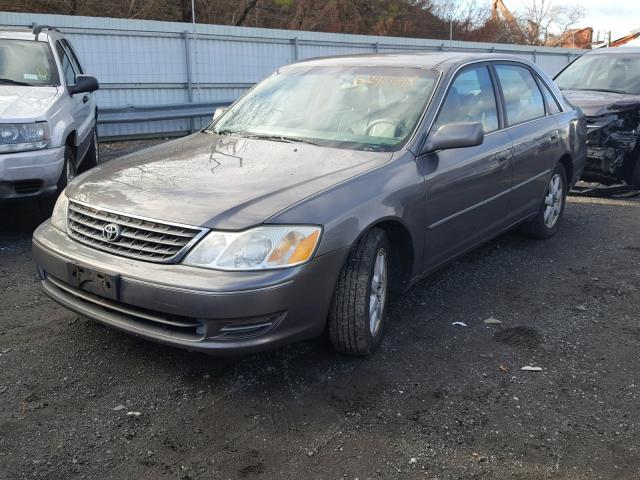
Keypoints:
pixel 187 49
pixel 535 55
pixel 376 47
pixel 296 54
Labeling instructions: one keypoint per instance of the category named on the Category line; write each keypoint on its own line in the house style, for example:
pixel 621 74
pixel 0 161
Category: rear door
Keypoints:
pixel 535 135
pixel 467 188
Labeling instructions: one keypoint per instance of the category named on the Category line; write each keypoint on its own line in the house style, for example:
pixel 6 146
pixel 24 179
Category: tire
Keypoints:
pixel 354 327
pixel 92 157
pixel 553 204
pixel 635 176
pixel 69 170
pixel 46 204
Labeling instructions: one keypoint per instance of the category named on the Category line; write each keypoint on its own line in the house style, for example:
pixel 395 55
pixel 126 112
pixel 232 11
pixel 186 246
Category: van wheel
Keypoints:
pixel 358 311
pixel 547 222
pixel 69 171
pixel 92 157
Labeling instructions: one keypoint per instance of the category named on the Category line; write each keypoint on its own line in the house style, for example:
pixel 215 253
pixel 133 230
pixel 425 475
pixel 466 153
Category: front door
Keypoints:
pixel 467 188
pixel 82 104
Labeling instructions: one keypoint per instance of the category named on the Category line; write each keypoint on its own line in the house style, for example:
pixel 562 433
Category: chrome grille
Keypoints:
pixel 141 239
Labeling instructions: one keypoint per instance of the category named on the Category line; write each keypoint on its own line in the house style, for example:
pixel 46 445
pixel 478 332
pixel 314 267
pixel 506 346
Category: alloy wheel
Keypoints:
pixel 378 294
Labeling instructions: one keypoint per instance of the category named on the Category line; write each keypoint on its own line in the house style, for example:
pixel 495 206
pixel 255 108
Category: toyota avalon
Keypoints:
pixel 325 187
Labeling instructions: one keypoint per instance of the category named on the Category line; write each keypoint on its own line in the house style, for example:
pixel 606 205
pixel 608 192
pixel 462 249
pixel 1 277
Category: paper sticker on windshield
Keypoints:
pixel 30 76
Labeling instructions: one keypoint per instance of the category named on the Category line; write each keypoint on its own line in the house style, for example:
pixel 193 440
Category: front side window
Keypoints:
pixel 72 56
pixel 471 98
pixel 611 72
pixel 522 97
pixel 67 67
pixel 27 62
pixel 363 108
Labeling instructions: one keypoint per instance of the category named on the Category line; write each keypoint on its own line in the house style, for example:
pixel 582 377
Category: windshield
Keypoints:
pixel 617 72
pixel 25 62
pixel 364 108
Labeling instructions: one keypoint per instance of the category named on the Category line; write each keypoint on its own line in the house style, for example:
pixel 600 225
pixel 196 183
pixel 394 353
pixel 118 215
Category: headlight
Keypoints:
pixel 260 248
pixel 19 137
pixel 59 215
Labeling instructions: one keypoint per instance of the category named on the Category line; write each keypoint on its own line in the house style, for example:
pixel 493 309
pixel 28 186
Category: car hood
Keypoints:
pixel 597 103
pixel 18 103
pixel 221 182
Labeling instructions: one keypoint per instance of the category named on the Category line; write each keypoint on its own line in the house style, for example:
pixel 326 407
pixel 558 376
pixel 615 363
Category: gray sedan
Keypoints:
pixel 329 184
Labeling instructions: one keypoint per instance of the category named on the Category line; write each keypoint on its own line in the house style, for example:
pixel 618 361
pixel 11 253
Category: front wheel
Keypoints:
pixel 92 157
pixel 357 317
pixel 547 222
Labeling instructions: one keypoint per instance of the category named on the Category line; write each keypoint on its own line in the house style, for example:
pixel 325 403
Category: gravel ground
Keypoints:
pixel 438 401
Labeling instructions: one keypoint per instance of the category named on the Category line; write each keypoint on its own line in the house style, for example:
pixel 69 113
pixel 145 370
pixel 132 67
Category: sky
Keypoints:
pixel 619 16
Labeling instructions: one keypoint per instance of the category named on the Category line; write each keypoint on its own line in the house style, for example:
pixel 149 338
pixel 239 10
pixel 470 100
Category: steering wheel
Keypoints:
pixel 382 121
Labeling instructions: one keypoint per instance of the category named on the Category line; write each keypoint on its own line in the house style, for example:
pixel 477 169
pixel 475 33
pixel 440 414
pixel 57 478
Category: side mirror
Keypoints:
pixel 455 135
pixel 84 83
pixel 219 111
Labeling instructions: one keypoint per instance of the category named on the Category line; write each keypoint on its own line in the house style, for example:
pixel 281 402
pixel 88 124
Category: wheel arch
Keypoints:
pixel 403 254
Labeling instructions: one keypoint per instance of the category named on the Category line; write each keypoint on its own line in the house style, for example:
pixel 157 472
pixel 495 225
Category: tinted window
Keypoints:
pixel 552 103
pixel 470 99
pixel 67 68
pixel 522 96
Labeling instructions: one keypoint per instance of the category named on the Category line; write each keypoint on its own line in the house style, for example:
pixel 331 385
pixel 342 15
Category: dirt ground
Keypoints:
pixel 438 401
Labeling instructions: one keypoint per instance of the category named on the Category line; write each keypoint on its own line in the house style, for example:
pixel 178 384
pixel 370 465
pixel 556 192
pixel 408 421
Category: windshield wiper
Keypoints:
pixel 281 138
pixel 15 82
pixel 606 90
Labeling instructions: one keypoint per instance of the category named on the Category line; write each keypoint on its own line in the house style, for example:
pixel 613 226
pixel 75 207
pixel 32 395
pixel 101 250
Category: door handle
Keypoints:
pixel 501 157
pixel 85 99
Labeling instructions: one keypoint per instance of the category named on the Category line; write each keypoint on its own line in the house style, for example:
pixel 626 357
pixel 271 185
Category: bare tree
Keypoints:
pixel 541 19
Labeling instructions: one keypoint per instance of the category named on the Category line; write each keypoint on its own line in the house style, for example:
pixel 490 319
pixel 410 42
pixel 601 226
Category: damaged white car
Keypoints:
pixel 605 84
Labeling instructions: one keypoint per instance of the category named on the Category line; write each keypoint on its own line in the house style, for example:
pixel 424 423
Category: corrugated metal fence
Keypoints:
pixel 148 63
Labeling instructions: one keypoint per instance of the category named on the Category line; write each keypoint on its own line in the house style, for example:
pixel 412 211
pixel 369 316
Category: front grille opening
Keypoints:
pixel 176 326
pixel 27 187
pixel 137 238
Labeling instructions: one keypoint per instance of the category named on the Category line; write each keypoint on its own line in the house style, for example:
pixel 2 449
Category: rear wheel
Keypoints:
pixel 547 222
pixel 357 317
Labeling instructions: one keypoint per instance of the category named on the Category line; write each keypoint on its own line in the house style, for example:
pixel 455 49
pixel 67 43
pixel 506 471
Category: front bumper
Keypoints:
pixel 192 308
pixel 28 174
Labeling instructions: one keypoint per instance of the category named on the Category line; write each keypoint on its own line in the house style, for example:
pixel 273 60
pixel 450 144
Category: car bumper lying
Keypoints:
pixel 187 307
pixel 28 174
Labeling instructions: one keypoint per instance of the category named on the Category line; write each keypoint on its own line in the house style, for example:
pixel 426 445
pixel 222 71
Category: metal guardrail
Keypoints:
pixel 154 113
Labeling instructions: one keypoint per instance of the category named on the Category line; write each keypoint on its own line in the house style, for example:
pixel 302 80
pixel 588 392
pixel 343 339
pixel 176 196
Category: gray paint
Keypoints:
pixel 445 202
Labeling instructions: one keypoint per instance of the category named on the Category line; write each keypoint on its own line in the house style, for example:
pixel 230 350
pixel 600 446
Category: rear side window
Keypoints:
pixel 552 103
pixel 522 97
pixel 471 98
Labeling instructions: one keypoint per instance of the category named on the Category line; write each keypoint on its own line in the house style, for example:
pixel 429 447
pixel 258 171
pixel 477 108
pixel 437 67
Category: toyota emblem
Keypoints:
pixel 111 232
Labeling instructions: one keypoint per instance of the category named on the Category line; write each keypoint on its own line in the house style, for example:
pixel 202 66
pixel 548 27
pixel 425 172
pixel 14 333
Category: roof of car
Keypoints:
pixel 431 60
pixel 26 33
pixel 615 50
